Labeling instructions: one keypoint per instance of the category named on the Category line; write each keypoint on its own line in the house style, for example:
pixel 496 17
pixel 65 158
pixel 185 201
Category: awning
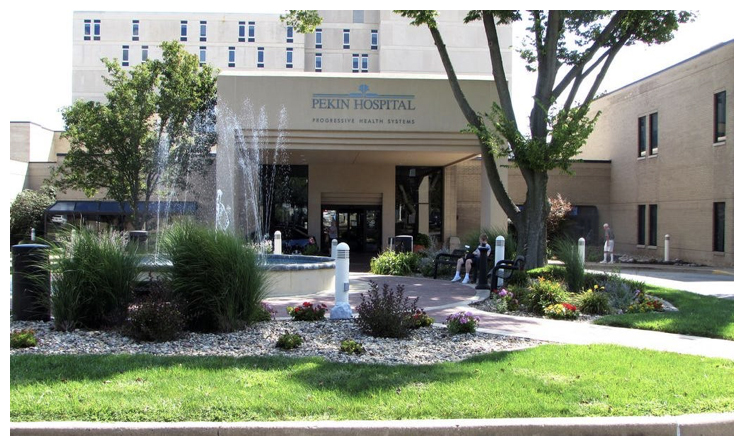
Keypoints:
pixel 114 208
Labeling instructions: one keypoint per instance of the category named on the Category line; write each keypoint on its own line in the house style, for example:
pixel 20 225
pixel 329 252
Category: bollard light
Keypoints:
pixel 499 248
pixel 334 248
pixel 341 309
pixel 278 242
pixel 666 247
pixel 581 250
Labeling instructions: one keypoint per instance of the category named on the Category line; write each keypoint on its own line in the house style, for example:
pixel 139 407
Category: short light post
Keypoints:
pixel 581 251
pixel 278 242
pixel 341 309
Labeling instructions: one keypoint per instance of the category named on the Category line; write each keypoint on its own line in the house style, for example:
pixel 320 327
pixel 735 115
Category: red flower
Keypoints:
pixel 306 304
pixel 570 307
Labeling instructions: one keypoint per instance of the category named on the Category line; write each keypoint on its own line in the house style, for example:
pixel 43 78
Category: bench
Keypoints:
pixel 446 259
pixel 506 270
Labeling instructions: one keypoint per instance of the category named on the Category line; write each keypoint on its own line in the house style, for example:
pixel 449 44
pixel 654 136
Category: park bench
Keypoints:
pixel 445 259
pixel 506 270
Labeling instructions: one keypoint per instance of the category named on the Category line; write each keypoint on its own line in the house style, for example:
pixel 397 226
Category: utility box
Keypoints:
pixel 31 285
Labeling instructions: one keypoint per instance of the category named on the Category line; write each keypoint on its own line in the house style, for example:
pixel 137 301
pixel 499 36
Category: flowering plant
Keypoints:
pixel 561 311
pixel 462 322
pixel 307 312
pixel 505 300
pixel 420 319
pixel 644 303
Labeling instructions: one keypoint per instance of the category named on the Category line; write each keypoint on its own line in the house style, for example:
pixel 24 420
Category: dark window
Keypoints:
pixel 318 38
pixel 135 30
pixel 318 62
pixel 86 30
pixel 125 55
pixel 284 205
pixel 642 136
pixel 653 225
pixel 289 58
pixel 719 116
pixel 641 224
pixel 202 55
pixel 203 31
pixel 654 133
pixel 718 227
pixel 231 56
pixel 289 34
pixel 346 39
pixel 364 63
pixel 260 57
pixel 374 39
pixel 251 32
pixel 418 206
pixel 144 53
pixel 183 30
pixel 241 31
pixel 355 63
pixel 97 30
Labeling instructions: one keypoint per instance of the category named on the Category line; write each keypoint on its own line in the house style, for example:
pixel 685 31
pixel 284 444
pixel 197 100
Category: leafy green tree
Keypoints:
pixel 157 126
pixel 27 212
pixel 568 50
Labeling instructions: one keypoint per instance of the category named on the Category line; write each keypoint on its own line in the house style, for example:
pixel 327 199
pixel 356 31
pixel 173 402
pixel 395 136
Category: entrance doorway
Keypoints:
pixel 357 225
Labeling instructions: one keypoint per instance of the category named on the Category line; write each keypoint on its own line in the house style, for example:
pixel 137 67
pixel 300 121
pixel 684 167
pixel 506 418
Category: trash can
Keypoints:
pixel 30 283
pixel 401 243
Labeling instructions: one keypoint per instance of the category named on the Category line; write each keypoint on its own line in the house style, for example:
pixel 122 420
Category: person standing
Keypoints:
pixel 608 244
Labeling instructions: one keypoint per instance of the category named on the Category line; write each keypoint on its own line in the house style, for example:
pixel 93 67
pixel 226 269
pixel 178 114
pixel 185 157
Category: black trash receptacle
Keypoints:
pixel 30 283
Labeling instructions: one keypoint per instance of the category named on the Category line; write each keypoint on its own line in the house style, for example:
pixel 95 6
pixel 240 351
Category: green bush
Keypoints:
pixel 594 301
pixel 288 341
pixel 157 317
pixel 390 263
pixel 220 280
pixel 544 292
pixel 23 338
pixel 420 319
pixel 574 270
pixel 351 347
pixel 93 279
pixel 27 212
pixel 385 313
pixel 622 293
pixel 422 239
pixel 462 322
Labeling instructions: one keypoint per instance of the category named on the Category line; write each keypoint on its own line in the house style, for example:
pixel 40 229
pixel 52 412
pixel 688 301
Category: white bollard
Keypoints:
pixel 33 234
pixel 334 248
pixel 278 242
pixel 581 251
pixel 499 255
pixel 341 309
pixel 666 245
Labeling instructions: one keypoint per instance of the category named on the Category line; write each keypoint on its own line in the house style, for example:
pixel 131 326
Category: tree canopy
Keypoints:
pixel 156 127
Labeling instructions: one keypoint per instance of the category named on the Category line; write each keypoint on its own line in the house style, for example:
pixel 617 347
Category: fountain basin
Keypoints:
pixel 291 275
pixel 287 275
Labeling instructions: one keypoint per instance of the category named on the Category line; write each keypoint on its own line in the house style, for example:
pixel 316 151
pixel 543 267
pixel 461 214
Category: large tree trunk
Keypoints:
pixel 532 230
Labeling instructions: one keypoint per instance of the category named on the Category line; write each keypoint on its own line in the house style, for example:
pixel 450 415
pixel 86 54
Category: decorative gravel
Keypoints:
pixel 425 346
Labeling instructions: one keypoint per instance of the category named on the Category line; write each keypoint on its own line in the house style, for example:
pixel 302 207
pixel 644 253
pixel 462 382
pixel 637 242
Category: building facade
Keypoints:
pixel 670 142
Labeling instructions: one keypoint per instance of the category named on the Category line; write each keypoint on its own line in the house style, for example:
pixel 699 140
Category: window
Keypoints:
pixel 719 117
pixel 641 224
pixel 91 29
pixel 654 134
pixel 318 62
pixel 260 57
pixel 144 53
pixel 203 31
pixel 183 31
pixel 642 136
pixel 358 16
pixel 318 38
pixel 355 63
pixel 202 55
pixel 125 55
pixel 288 58
pixel 374 39
pixel 135 30
pixel 252 26
pixel 718 227
pixel 241 31
pixel 289 34
pixel 231 56
pixel 346 39
pixel 364 63
pixel 653 225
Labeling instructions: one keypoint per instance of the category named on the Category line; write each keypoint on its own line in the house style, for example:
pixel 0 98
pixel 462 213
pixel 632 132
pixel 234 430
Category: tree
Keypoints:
pixel 156 127
pixel 567 49
pixel 27 212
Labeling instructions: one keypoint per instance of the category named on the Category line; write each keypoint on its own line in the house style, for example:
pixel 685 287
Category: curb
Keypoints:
pixel 682 425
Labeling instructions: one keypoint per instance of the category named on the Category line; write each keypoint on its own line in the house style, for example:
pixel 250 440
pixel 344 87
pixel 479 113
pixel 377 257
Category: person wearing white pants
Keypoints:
pixel 608 244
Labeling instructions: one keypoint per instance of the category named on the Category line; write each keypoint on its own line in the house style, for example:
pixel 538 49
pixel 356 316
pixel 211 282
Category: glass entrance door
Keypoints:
pixel 358 226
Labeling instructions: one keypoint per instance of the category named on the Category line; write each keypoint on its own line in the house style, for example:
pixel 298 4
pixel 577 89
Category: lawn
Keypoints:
pixel 548 381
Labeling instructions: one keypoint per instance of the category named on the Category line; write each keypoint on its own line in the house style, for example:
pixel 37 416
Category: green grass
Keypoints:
pixel 548 381
pixel 698 315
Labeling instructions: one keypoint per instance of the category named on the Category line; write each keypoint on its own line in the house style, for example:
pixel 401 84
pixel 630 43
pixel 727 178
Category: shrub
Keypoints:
pixel 27 212
pixel 422 240
pixel 288 341
pixel 462 322
pixel 595 301
pixel 622 293
pixel 505 301
pixel 93 279
pixel 644 303
pixel 543 293
pixel 562 310
pixel 351 347
pixel 220 281
pixel 307 312
pixel 574 271
pixel 265 314
pixel 426 263
pixel 390 263
pixel 157 317
pixel 311 250
pixel 23 338
pixel 385 313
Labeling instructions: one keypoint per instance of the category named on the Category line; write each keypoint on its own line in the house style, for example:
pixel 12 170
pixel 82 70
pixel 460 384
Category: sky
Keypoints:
pixel 38 52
